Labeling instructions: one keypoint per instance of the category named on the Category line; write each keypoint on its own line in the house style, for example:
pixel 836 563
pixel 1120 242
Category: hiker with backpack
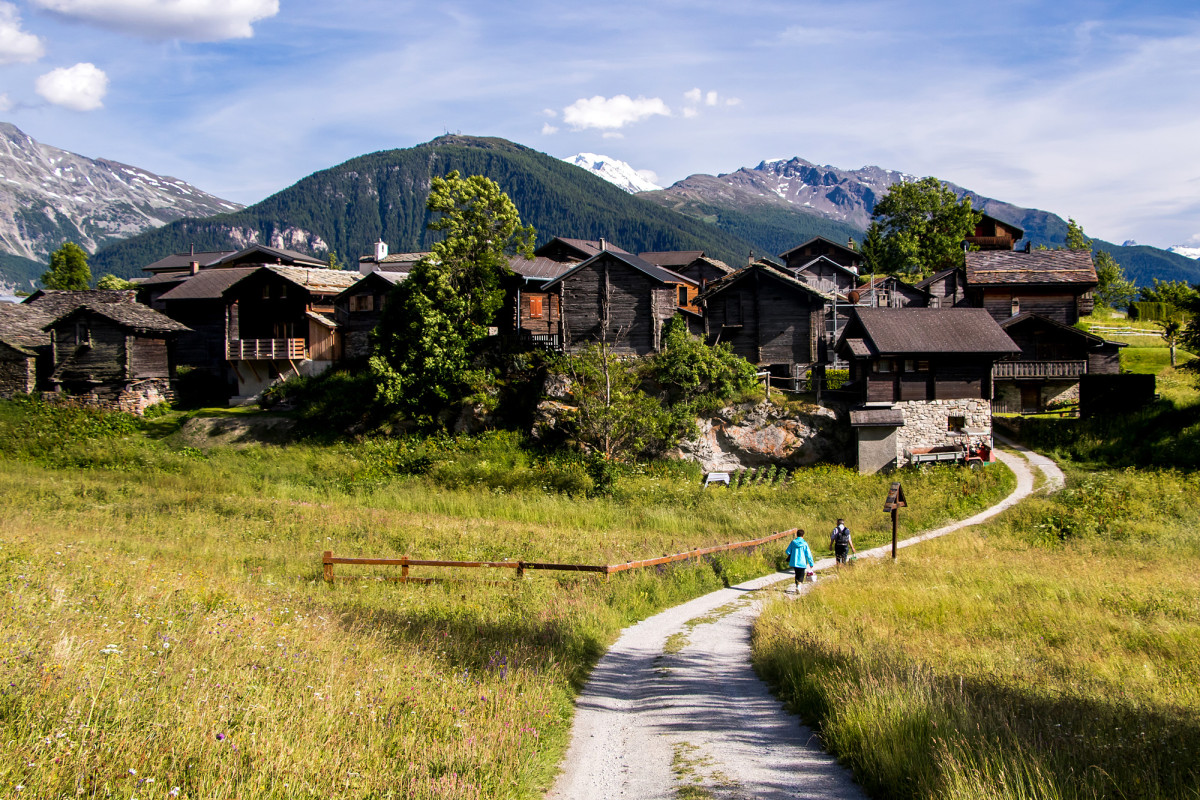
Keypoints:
pixel 841 542
pixel 799 556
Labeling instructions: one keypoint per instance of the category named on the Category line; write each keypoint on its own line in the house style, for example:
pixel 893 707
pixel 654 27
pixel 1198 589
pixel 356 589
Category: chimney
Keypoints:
pixel 1028 246
pixel 381 250
pixel 750 258
pixel 850 242
pixel 194 267
pixel 603 244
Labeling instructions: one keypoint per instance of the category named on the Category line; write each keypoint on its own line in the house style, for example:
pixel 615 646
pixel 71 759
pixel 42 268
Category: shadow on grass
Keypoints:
pixel 1162 435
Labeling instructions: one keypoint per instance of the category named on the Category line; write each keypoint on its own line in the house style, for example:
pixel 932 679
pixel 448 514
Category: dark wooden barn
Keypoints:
pixel 769 317
pixel 619 299
pixel 25 355
pixel 1052 360
pixel 820 247
pixel 1056 284
pixel 930 369
pixel 828 276
pixel 888 291
pixel 692 264
pixel 993 234
pixel 117 355
pixel 358 309
pixel 946 289
pixel 280 320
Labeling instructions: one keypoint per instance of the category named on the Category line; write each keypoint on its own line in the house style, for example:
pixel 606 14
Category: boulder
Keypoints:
pixel 747 436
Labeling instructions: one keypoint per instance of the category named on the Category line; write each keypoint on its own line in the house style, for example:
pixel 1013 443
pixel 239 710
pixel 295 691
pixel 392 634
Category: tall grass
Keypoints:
pixel 165 625
pixel 1050 654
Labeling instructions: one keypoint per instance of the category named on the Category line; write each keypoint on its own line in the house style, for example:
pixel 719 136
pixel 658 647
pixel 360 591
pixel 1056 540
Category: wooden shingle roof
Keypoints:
pixel 57 302
pixel 650 270
pixel 762 266
pixel 672 259
pixel 207 284
pixel 1010 267
pixel 915 331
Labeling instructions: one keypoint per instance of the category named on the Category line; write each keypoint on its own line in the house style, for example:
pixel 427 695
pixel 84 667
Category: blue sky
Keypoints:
pixel 1085 109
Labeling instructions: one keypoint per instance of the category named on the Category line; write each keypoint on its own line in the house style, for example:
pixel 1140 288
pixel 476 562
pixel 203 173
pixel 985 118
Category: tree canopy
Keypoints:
pixel 919 229
pixel 1113 288
pixel 426 343
pixel 68 269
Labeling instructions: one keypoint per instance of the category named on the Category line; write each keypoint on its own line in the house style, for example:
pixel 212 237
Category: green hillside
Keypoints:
pixel 382 196
pixel 20 270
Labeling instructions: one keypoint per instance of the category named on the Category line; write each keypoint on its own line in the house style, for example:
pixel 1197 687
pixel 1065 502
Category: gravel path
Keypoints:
pixel 675 704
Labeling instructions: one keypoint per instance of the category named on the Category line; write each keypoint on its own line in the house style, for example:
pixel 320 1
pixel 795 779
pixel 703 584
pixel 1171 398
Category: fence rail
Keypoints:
pixel 264 349
pixel 328 560
pixel 1039 369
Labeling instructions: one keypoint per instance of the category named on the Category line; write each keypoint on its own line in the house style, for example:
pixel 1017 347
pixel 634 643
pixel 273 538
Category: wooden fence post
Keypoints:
pixel 404 569
pixel 520 569
pixel 327 565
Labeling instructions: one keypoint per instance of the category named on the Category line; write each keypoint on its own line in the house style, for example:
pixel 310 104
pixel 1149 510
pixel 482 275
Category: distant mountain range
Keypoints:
pixel 49 196
pixel 762 210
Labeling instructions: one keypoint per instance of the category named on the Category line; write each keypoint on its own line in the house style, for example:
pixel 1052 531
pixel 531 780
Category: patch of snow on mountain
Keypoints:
pixel 618 173
pixel 1185 251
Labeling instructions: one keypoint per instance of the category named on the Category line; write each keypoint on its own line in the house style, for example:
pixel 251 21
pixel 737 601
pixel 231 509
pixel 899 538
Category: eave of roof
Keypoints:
pixel 767 268
pixel 841 247
pixel 659 274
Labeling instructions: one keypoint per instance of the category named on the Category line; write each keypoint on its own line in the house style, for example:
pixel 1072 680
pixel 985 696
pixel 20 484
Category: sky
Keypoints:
pixel 1085 109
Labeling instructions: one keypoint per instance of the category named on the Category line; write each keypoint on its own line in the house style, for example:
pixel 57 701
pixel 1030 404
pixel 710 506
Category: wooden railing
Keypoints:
pixel 1039 369
pixel 264 349
pixel 328 560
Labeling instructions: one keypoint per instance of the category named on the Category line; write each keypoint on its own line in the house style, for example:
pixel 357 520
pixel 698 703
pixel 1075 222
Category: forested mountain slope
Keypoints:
pixel 346 208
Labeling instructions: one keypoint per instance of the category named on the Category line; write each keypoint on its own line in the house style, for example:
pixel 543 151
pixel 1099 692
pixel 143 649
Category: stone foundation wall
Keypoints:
pixel 1009 393
pixel 132 399
pixel 17 376
pixel 926 422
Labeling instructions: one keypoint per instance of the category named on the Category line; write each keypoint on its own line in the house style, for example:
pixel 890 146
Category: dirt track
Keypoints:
pixel 674 703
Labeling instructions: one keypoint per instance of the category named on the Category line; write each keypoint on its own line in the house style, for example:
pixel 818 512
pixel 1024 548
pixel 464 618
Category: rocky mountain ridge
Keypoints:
pixel 49 195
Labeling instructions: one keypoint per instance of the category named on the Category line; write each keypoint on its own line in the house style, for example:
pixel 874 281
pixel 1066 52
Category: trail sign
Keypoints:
pixel 895 501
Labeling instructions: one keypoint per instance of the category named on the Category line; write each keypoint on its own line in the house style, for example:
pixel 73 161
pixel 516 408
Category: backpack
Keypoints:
pixel 842 536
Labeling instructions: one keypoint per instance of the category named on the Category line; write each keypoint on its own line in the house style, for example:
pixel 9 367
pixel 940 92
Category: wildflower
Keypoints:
pixel 174 792
pixel 132 771
pixel 220 737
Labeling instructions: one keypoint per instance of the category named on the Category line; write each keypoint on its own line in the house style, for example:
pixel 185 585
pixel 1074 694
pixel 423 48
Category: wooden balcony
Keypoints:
pixel 1038 369
pixel 991 242
pixel 264 349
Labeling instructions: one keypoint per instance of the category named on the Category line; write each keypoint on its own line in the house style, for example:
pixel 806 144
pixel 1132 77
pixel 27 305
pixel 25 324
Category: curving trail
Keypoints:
pixel 674 703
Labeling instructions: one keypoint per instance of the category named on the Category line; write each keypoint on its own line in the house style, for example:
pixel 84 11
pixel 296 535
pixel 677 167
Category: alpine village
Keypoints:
pixel 503 511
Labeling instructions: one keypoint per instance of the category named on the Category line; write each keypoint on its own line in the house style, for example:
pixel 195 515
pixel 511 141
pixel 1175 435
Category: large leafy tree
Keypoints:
pixel 428 336
pixel 1113 288
pixel 921 227
pixel 68 269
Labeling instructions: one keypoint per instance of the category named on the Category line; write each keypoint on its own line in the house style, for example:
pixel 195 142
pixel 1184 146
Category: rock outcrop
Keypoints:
pixel 745 436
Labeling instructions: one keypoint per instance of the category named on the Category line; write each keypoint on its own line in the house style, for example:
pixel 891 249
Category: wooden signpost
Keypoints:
pixel 895 501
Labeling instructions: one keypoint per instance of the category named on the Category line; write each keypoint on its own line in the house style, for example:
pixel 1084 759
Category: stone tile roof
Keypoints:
pixel 21 327
pixel 181 261
pixel 775 271
pixel 672 259
pixel 132 316
pixel 57 302
pixel 1008 267
pixel 656 273
pixel 538 267
pixel 905 331
pixel 318 281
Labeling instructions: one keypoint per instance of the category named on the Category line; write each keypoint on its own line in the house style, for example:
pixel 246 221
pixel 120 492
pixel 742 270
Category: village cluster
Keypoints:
pixel 927 363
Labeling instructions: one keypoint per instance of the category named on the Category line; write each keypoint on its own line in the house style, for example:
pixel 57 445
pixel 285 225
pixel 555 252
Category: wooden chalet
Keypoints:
pixel 199 304
pixel 1056 284
pixel 25 354
pixel 769 317
pixel 820 247
pixel 618 298
pixel 115 355
pixel 531 315
pixel 946 289
pixel 359 308
pixel 827 276
pixel 1053 359
pixel 922 378
pixel 280 320
pixel 573 251
pixel 57 302
pixel 992 234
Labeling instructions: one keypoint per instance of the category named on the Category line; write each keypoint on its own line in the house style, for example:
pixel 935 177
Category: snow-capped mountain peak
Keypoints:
pixel 618 173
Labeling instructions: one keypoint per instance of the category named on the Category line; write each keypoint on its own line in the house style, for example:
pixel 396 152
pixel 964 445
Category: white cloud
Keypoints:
pixel 79 88
pixel 15 44
pixel 548 129
pixel 5 103
pixel 710 99
pixel 688 113
pixel 733 101
pixel 612 135
pixel 612 112
pixel 549 112
pixel 693 95
pixel 195 20
pixel 649 175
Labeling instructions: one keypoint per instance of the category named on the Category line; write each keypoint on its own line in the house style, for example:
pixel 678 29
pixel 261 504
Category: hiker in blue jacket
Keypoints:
pixel 799 556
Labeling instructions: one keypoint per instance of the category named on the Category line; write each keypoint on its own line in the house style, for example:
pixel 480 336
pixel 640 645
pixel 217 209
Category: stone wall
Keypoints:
pixel 17 374
pixel 1051 392
pixel 132 399
pixel 926 422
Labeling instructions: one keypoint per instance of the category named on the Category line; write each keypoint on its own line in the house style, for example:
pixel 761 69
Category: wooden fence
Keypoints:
pixel 328 561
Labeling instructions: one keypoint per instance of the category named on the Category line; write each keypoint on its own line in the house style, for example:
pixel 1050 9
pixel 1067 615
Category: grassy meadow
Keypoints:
pixel 166 632
pixel 1050 653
